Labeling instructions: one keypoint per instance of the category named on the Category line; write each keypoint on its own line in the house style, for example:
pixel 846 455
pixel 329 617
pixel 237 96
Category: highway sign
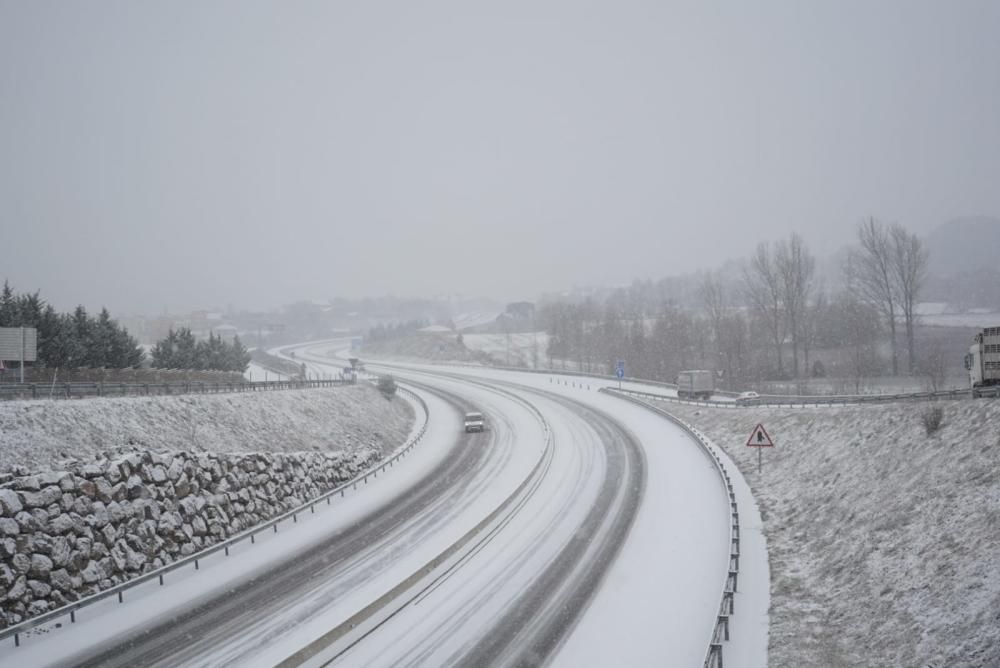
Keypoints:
pixel 759 438
pixel 18 344
pixel 620 372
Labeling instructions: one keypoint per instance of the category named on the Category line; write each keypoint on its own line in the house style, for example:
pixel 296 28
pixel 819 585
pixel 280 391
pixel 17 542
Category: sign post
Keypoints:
pixel 759 439
pixel 620 372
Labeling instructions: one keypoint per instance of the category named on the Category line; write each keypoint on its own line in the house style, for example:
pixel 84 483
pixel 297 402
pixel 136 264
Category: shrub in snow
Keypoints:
pixel 932 418
pixel 387 386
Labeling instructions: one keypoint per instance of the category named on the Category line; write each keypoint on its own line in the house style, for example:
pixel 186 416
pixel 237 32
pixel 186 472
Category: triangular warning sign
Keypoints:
pixel 759 438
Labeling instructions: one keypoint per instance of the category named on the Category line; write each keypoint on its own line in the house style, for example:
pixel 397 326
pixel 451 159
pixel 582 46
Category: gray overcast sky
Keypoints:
pixel 212 153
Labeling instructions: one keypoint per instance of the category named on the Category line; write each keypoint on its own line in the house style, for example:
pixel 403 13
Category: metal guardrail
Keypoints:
pixel 763 399
pixel 820 399
pixel 727 607
pixel 777 402
pixel 78 390
pixel 119 590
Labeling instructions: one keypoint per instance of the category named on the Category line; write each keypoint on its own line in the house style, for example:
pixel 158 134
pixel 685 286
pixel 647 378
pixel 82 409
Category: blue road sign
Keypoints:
pixel 620 372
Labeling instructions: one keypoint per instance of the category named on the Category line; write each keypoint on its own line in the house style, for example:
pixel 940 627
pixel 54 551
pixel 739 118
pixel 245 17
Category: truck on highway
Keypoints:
pixel 983 363
pixel 695 384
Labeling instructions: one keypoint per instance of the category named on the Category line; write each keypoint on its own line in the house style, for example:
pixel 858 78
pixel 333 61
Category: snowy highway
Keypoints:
pixel 578 530
pixel 658 599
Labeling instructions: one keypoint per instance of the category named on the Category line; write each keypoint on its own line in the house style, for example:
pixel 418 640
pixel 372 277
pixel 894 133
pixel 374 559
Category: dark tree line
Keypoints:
pixel 181 350
pixel 70 340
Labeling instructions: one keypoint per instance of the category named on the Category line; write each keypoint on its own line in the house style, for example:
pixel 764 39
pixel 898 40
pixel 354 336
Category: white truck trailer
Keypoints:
pixel 983 363
pixel 695 385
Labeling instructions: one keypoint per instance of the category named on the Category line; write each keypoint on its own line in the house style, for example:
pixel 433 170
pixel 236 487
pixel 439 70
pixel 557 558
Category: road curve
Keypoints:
pixel 545 571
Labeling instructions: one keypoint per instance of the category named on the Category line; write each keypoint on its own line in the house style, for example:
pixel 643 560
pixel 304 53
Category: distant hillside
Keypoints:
pixel 964 245
pixel 964 271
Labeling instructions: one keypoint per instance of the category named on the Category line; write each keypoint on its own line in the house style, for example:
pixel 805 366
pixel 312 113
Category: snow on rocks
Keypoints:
pixel 882 540
pixel 57 554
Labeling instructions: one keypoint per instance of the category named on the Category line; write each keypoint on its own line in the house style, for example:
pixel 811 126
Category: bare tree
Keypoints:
pixel 734 348
pixel 935 366
pixel 909 271
pixel 764 291
pixel 713 297
pixel 796 267
pixel 812 316
pixel 870 275
pixel 855 325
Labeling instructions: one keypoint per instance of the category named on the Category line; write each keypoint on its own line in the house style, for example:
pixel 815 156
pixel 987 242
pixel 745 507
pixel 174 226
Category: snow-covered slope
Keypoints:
pixel 882 540
pixel 38 434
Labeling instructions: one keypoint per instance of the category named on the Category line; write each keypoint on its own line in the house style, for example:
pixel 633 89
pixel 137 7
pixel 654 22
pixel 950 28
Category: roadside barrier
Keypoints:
pixel 100 389
pixel 791 402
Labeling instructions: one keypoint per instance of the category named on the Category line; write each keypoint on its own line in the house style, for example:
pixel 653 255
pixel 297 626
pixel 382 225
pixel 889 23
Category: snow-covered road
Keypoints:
pixel 659 599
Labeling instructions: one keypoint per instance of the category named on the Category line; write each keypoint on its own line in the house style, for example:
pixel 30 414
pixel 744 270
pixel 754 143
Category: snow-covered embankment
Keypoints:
pixel 882 540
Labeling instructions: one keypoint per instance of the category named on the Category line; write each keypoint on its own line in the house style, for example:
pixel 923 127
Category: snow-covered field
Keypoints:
pixel 474 319
pixel 882 540
pixel 961 319
pixel 523 348
pixel 255 373
pixel 39 434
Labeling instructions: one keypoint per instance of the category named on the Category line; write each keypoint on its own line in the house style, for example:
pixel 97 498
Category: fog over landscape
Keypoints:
pixel 189 155
pixel 493 334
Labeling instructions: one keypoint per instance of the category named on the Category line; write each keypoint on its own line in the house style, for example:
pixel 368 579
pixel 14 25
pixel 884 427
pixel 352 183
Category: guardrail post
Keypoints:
pixel 716 650
pixel 724 621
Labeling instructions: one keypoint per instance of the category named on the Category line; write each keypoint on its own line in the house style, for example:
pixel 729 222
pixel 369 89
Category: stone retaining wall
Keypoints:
pixel 68 534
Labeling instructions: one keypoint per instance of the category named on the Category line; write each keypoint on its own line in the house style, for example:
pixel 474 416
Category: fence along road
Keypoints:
pixel 79 390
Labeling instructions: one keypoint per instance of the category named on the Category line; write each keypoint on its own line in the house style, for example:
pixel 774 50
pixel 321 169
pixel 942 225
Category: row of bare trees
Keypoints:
pixel 888 269
pixel 744 329
pixel 778 283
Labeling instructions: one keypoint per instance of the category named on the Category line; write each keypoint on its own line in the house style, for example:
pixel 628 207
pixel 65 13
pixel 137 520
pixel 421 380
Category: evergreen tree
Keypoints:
pixel 240 356
pixel 186 352
pixel 50 339
pixel 164 353
pixel 8 306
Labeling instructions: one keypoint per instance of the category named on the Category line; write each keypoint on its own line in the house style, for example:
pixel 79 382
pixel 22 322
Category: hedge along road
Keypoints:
pixel 659 600
pixel 322 568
